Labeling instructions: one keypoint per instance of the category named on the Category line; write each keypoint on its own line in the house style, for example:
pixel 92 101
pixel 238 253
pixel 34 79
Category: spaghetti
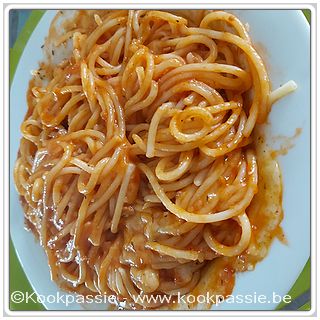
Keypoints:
pixel 138 165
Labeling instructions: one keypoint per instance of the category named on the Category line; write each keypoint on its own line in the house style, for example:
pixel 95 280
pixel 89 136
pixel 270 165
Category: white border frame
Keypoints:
pixel 188 4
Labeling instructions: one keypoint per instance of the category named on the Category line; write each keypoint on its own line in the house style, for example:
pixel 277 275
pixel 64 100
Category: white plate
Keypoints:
pixel 284 36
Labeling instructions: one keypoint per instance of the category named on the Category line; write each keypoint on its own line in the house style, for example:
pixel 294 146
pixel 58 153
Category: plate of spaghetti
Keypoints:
pixel 160 154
